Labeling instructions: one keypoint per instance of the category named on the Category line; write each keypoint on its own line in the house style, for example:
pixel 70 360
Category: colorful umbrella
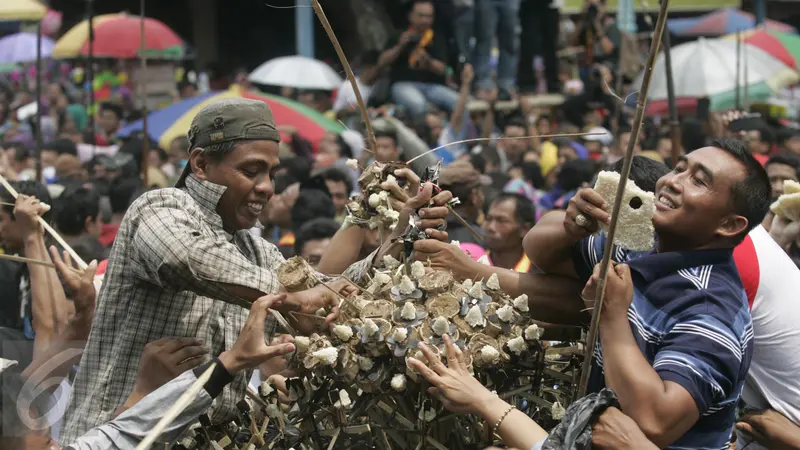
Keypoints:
pixel 721 22
pixel 22 10
pixel 21 47
pixel 173 121
pixel 724 101
pixel 784 46
pixel 120 36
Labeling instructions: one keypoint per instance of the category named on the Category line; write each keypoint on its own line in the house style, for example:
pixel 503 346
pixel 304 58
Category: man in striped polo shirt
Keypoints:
pixel 675 336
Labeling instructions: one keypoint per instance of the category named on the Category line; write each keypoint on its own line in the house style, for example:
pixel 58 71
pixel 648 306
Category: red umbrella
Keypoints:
pixel 120 36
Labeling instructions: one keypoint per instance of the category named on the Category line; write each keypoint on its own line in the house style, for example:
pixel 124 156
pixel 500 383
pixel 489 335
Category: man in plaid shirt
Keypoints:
pixel 184 264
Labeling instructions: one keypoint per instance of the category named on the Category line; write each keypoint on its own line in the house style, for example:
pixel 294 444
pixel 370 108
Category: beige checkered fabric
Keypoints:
pixel 169 259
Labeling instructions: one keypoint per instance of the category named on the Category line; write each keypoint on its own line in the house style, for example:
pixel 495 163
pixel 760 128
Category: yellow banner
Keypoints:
pixel 575 6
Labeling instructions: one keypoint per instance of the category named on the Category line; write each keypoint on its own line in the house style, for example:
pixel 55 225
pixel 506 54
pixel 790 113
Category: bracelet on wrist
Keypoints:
pixel 502 418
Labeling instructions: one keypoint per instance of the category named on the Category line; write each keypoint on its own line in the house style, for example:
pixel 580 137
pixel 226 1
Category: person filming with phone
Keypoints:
pixel 599 35
pixel 418 70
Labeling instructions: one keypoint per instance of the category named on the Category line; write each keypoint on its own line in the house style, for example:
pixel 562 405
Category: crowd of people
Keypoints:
pixel 691 331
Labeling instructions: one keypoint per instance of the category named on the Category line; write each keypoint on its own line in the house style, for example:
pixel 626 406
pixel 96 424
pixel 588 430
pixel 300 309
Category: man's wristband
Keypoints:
pixel 220 377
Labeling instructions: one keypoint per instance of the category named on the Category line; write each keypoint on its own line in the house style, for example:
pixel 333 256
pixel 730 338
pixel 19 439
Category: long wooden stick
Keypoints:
pixel 183 402
pixel 502 138
pixel 371 142
pixel 22 259
pixel 591 340
pixel 78 260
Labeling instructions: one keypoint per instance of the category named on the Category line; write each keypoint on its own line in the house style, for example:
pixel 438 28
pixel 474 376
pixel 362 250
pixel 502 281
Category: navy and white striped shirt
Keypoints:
pixel 691 320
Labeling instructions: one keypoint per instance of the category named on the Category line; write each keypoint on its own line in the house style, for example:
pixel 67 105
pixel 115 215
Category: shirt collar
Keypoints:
pixel 657 265
pixel 207 195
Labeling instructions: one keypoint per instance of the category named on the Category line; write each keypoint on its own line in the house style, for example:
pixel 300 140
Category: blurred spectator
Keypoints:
pixel 69 170
pixel 539 22
pixel 509 219
pixel 417 58
pixel 339 186
pixel 110 120
pixel 782 167
pixel 496 20
pixel 789 140
pixel 279 212
pixel 52 150
pixel 464 28
pixel 310 204
pixel 513 150
pixel 121 194
pixel 572 176
pixel 315 99
pixel 760 141
pixel 601 37
pixel 370 69
pixel 387 148
pixel 464 182
pixel 313 238
pixel 78 221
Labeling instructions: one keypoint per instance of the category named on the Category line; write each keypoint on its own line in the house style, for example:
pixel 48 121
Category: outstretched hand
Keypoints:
pixel 250 349
pixel 453 385
pixel 80 281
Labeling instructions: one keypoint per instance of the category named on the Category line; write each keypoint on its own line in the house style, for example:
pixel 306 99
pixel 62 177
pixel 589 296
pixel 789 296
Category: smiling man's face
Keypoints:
pixel 246 172
pixel 694 201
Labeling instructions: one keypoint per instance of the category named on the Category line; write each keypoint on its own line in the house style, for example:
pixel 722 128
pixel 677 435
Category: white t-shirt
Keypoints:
pixel 772 282
pixel 346 97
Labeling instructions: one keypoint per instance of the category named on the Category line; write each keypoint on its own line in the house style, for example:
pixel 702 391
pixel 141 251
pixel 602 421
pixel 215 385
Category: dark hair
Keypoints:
pixel 370 57
pixel 314 230
pixel 120 193
pixel 692 135
pixel 478 162
pixel 311 204
pixel 532 172
pixel 386 133
pixel 645 172
pixel 297 170
pixel 116 109
pixel 337 176
pixel 766 134
pixel 787 159
pixel 516 122
pixel 74 207
pixel 62 147
pixel 574 173
pixel 524 211
pixel 27 187
pixel 750 196
pixel 345 151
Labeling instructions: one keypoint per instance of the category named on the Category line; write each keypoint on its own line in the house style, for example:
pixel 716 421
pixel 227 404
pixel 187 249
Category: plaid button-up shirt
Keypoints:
pixel 165 276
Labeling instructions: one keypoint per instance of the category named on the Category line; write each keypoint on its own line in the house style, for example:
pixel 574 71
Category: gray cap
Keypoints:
pixel 230 119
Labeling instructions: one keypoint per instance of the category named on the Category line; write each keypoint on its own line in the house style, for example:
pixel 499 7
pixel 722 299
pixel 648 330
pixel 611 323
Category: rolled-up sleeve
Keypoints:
pixel 175 253
pixel 131 427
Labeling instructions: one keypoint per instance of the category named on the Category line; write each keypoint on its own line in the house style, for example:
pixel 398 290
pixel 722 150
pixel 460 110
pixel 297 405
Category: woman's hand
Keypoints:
pixel 453 385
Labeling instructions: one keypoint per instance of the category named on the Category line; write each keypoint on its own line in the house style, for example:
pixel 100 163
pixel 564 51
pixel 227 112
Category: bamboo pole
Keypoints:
pixel 143 94
pixel 90 76
pixel 626 170
pixel 38 129
pixel 674 125
pixel 371 143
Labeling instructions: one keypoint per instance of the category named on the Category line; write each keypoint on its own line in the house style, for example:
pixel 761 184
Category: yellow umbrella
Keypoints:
pixel 71 42
pixel 22 10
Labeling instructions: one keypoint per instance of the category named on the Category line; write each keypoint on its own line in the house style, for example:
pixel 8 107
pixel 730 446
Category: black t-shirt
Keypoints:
pixel 402 71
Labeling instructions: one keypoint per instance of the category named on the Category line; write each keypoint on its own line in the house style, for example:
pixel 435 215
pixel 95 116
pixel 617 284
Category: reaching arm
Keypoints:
pixel 49 305
pixel 459 112
pixel 343 251
pixel 550 243
pixel 175 254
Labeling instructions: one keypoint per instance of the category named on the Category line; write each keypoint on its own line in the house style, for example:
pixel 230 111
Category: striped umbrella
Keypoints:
pixel 784 46
pixel 721 22
pixel 22 10
pixel 120 36
pixel 173 121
